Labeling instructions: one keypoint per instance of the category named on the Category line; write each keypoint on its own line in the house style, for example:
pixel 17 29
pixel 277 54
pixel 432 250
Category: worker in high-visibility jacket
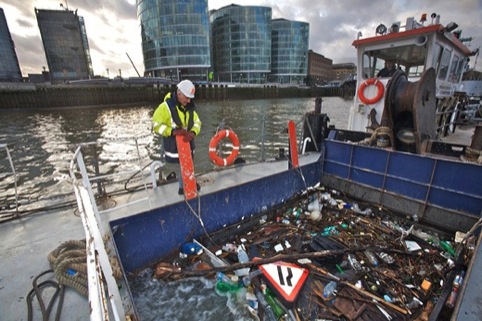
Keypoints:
pixel 177 115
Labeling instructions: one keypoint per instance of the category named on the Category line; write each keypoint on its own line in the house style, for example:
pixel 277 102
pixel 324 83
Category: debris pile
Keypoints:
pixel 325 258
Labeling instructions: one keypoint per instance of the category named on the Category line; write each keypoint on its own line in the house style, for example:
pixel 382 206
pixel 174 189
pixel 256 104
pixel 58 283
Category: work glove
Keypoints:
pixel 189 136
pixel 179 132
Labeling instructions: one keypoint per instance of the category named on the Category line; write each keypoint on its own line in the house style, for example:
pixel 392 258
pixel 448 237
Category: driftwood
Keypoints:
pixel 285 257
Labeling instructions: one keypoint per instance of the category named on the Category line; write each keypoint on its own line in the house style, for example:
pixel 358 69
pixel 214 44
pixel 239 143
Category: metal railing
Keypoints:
pixel 11 173
pixel 104 296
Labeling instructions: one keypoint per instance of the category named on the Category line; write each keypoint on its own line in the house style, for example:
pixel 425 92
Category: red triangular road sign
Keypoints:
pixel 286 279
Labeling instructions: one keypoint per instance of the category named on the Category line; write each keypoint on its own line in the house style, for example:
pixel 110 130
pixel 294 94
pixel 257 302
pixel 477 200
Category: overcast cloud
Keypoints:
pixel 113 29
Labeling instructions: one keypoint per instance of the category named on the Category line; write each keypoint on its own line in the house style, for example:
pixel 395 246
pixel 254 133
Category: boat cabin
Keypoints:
pixel 412 48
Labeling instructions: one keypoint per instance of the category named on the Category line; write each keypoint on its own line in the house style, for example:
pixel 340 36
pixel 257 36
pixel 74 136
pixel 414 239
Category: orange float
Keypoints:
pixel 365 84
pixel 213 146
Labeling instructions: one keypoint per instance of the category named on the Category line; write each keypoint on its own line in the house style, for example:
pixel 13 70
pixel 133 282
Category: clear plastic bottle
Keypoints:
pixel 371 257
pixel 355 265
pixel 329 290
pixel 221 277
pixel 242 258
pixel 268 310
pixel 247 278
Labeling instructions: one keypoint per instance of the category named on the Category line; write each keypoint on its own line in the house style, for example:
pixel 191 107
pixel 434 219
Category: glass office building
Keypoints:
pixel 241 42
pixel 289 51
pixel 65 43
pixel 175 38
pixel 9 67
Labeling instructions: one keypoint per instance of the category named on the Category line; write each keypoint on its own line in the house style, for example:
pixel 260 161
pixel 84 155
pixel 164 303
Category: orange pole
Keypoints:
pixel 187 168
pixel 293 144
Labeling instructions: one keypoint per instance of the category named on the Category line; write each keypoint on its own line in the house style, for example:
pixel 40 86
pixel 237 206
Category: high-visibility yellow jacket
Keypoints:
pixel 171 115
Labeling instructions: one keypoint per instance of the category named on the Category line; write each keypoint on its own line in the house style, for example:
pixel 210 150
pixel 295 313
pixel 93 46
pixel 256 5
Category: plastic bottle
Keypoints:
pixel 414 304
pixel 268 310
pixel 355 265
pixel 371 257
pixel 386 258
pixel 447 247
pixel 222 287
pixel 247 278
pixel 221 277
pixel 224 284
pixel 270 298
pixel 329 290
pixel 455 290
pixel 242 258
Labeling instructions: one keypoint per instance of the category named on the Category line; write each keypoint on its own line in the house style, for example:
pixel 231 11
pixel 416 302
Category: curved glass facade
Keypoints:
pixel 241 42
pixel 175 38
pixel 289 51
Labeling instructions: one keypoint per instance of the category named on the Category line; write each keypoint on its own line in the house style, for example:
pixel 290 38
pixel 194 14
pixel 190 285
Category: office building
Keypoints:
pixel 175 38
pixel 9 67
pixel 319 69
pixel 65 43
pixel 289 51
pixel 241 42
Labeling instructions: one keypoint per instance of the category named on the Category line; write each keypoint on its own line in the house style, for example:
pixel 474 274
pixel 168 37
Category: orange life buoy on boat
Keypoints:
pixel 213 144
pixel 365 84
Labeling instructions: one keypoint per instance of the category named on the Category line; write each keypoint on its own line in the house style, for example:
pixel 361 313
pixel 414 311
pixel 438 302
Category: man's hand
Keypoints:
pixel 189 136
pixel 179 132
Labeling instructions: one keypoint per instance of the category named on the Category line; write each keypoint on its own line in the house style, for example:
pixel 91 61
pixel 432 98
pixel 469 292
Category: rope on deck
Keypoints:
pixel 380 135
pixel 69 263
pixel 472 155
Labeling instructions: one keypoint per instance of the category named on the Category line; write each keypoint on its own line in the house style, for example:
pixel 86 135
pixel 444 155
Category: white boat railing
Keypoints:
pixel 12 173
pixel 105 302
pixel 99 270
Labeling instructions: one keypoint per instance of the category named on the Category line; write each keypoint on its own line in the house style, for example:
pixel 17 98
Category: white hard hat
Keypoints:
pixel 187 88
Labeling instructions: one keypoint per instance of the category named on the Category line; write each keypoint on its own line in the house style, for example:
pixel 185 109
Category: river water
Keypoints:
pixel 42 142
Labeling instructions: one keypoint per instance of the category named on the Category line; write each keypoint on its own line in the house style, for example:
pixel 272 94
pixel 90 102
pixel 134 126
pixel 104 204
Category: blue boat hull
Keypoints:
pixel 144 238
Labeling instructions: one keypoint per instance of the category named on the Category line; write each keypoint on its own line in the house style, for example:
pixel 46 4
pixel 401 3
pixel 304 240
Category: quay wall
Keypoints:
pixel 33 97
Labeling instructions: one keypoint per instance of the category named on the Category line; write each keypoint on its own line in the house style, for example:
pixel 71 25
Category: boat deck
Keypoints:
pixel 26 243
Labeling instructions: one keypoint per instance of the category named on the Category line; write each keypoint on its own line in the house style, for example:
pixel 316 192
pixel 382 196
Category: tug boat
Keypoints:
pixel 423 97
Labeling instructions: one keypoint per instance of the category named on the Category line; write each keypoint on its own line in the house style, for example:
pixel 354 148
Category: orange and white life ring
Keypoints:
pixel 365 84
pixel 213 146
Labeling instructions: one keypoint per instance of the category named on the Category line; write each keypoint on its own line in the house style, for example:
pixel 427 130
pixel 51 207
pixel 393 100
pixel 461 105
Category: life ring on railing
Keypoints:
pixel 365 84
pixel 213 144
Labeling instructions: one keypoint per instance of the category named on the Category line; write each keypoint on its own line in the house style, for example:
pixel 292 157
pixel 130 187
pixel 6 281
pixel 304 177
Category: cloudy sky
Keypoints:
pixel 113 29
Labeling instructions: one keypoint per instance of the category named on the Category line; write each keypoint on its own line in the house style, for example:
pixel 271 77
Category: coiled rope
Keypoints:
pixel 381 135
pixel 69 263
pixel 472 155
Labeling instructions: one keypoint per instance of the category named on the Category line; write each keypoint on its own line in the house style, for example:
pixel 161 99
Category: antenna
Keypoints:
pixel 66 5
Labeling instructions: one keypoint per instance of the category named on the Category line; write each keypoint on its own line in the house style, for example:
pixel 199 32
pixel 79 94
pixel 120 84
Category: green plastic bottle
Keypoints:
pixel 270 298
pixel 447 247
pixel 224 284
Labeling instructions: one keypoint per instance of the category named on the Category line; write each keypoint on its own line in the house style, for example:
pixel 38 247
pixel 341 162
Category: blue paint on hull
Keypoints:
pixel 145 238
pixel 438 182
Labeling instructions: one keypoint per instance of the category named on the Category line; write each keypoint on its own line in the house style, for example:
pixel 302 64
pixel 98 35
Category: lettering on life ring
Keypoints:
pixel 213 146
pixel 364 85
